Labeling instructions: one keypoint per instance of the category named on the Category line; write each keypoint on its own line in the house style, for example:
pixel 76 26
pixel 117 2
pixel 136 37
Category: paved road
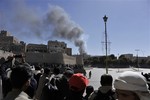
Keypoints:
pixel 95 77
pixel 97 72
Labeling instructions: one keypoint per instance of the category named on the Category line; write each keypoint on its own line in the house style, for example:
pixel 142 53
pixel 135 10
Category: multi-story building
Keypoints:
pixel 10 43
pixel 36 48
pixel 58 47
pixel 54 52
pixel 69 51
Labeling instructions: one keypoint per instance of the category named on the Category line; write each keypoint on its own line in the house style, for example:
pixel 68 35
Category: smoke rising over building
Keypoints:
pixel 53 23
pixel 64 27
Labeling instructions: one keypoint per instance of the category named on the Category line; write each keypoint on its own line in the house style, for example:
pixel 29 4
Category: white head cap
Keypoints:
pixel 132 81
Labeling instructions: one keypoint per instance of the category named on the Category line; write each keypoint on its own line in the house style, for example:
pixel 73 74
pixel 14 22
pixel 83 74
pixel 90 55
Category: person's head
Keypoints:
pixel 89 89
pixel 68 73
pixel 10 60
pixel 78 83
pixel 56 70
pixel 37 67
pixel 47 71
pixel 131 86
pixel 106 80
pixel 20 77
pixel 2 60
pixel 19 59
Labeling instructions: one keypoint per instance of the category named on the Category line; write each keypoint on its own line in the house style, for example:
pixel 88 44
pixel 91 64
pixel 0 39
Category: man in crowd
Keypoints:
pixel 20 80
pixel 105 91
pixel 77 85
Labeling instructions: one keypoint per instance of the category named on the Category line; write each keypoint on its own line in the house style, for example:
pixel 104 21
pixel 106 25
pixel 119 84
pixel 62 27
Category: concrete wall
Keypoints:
pixel 69 59
pixel 79 59
pixel 57 58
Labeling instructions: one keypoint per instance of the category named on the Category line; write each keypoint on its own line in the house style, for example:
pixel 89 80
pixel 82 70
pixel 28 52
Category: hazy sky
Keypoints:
pixel 80 24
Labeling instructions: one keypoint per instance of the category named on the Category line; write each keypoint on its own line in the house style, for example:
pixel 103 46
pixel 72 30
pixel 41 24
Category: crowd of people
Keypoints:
pixel 20 81
pixel 147 76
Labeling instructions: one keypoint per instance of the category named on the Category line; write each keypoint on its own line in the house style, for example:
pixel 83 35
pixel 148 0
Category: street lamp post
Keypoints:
pixel 137 59
pixel 105 20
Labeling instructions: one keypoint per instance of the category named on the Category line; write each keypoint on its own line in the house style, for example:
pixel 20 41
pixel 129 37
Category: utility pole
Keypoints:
pixel 105 20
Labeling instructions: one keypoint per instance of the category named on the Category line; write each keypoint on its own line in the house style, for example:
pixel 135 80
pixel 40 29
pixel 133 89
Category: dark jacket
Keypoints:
pixel 74 96
pixel 6 84
pixel 63 85
pixel 102 89
pixel 49 92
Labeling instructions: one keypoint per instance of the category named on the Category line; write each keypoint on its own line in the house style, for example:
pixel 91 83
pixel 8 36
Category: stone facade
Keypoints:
pixel 56 46
pixel 10 43
pixel 79 59
pixel 36 48
pixel 50 58
pixel 54 52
